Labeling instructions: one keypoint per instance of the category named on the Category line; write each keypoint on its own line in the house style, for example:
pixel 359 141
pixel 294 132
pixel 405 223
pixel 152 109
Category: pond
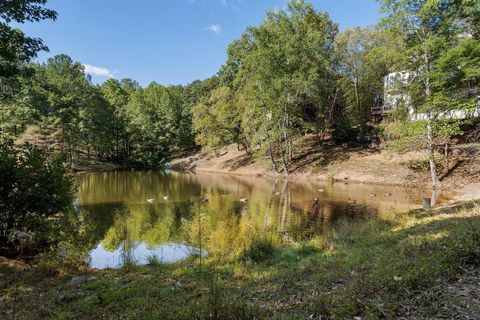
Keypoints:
pixel 167 216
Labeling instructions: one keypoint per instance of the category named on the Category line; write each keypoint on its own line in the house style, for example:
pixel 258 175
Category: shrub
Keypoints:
pixel 259 250
pixel 35 190
pixel 423 165
pixel 331 176
pixel 344 131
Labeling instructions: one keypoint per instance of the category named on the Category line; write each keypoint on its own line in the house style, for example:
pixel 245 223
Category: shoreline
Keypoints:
pixel 329 163
pixel 468 192
pixel 344 164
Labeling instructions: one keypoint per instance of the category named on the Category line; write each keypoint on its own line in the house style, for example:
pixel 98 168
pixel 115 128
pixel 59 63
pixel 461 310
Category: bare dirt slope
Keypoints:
pixel 329 162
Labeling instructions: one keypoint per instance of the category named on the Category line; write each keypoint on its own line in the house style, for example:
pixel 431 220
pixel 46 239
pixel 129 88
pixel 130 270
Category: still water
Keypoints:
pixel 168 216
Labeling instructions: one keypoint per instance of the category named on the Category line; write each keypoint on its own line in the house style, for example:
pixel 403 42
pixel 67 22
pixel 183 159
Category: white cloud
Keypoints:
pixel 215 28
pixel 99 71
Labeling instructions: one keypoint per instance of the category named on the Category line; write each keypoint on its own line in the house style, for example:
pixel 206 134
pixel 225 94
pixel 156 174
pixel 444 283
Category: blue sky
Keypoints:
pixel 167 41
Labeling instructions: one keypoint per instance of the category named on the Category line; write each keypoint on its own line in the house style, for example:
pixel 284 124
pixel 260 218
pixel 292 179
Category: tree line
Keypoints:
pixel 116 121
pixel 297 74
pixel 293 75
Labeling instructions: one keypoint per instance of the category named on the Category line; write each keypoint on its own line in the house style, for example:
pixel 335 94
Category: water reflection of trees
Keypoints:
pixel 320 217
pixel 133 187
pixel 207 210
pixel 224 227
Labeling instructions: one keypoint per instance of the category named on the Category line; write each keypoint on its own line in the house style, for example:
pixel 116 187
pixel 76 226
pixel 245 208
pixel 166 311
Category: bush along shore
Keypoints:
pixel 415 265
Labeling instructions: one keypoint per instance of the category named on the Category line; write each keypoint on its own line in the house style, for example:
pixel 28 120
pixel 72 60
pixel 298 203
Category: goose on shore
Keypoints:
pixel 315 200
pixel 373 195
pixel 388 194
pixel 244 200
pixel 321 190
pixel 149 200
pixel 165 197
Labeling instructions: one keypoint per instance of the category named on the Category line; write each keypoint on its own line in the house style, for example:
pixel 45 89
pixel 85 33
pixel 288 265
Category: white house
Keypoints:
pixel 395 85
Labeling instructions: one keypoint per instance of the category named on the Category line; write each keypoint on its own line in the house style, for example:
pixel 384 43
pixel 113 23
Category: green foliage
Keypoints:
pixel 34 190
pixel 25 10
pixel 150 115
pixel 331 176
pixel 154 261
pixel 117 121
pixel 405 135
pixel 278 83
pixel 344 131
pixel 17 49
pixel 437 33
pixel 292 75
pixel 423 165
pixel 74 106
pixel 217 122
pixel 365 56
pixel 436 48
pixel 157 121
pixel 259 250
pixel 410 135
pixel 221 306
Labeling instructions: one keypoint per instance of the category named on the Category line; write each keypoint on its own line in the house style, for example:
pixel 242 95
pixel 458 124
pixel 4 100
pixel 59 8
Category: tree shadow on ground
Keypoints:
pixel 396 265
pixel 236 163
pixel 324 153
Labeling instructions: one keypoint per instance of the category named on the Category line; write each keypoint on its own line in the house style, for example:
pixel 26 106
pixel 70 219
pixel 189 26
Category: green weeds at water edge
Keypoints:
pixel 379 269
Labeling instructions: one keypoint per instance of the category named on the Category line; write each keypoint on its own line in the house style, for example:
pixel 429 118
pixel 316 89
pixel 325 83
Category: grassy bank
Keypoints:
pixel 414 265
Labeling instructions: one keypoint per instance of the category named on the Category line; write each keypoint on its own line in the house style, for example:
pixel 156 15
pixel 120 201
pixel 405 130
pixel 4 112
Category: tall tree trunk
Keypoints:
pixel 431 153
pixel 430 146
pixel 245 146
pixel 288 140
pixel 282 150
pixel 283 144
pixel 272 158
pixel 357 98
pixel 270 152
pixel 290 150
pixel 285 147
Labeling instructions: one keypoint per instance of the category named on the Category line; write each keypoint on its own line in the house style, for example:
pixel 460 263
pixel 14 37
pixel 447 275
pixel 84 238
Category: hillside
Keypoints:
pixel 329 162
